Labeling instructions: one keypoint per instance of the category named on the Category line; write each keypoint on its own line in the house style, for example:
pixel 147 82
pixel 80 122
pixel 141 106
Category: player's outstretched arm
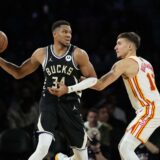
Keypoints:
pixel 27 67
pixel 87 70
pixel 116 71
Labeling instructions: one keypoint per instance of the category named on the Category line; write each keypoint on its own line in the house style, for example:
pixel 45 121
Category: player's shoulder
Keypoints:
pixel 40 51
pixel 80 50
pixel 80 53
pixel 123 64
pixel 144 60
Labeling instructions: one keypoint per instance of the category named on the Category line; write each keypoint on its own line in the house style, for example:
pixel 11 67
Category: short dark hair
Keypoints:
pixel 131 36
pixel 94 110
pixel 59 23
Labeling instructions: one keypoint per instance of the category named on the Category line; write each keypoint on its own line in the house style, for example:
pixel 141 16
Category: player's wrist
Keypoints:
pixel 87 83
pixel 69 89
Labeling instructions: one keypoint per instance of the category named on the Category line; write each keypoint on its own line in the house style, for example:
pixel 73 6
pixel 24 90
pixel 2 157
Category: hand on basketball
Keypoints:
pixel 60 91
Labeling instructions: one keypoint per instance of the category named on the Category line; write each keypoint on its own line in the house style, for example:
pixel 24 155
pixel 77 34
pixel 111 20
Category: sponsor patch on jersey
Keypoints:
pixel 68 58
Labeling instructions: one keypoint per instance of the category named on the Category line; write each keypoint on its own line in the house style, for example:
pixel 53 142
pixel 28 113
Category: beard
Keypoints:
pixel 65 44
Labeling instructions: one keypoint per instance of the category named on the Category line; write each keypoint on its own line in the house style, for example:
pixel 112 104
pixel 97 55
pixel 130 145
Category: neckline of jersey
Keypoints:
pixel 59 57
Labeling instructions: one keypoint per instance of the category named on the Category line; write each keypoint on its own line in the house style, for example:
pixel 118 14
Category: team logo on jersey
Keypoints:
pixel 68 58
pixel 50 60
pixel 74 108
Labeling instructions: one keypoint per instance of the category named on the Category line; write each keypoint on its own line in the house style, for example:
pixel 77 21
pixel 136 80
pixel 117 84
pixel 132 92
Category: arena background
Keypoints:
pixel 95 25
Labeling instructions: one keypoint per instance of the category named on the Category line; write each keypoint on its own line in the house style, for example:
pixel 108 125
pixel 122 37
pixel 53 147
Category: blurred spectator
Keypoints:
pixel 104 129
pixel 114 109
pixel 148 151
pixel 151 149
pixel 3 113
pixel 23 113
pixel 142 152
pixel 15 144
pixel 105 116
pixel 94 148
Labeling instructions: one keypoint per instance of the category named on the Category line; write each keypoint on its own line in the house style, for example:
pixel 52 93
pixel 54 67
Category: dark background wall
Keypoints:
pixel 95 24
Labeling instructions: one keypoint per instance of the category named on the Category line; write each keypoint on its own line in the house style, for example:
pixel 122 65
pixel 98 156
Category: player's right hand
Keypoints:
pixel 60 91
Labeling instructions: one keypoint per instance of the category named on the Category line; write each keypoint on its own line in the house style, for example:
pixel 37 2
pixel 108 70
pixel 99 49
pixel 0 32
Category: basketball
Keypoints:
pixel 3 41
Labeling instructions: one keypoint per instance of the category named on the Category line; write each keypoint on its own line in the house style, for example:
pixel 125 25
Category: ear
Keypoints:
pixel 54 33
pixel 130 46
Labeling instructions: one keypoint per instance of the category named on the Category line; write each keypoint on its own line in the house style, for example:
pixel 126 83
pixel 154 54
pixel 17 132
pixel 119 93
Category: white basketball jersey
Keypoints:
pixel 142 90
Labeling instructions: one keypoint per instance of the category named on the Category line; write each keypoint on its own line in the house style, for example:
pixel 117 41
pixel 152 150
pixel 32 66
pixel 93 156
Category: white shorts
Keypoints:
pixel 145 122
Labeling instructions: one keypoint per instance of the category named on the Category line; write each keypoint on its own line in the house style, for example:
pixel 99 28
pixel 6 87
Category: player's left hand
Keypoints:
pixel 60 91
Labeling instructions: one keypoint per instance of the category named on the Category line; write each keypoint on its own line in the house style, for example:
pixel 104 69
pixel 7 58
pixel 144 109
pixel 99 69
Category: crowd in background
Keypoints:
pixel 95 26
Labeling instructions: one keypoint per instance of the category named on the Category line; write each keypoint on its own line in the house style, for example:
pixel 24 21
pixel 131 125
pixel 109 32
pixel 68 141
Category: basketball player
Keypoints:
pixel 138 77
pixel 61 62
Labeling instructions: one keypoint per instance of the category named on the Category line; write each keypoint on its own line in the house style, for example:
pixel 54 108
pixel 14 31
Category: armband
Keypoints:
pixel 87 83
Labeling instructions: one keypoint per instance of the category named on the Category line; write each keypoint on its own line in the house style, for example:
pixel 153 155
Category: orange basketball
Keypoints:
pixel 3 41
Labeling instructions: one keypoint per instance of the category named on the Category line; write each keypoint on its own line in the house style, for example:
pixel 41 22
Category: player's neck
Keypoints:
pixel 59 50
pixel 133 53
pixel 91 125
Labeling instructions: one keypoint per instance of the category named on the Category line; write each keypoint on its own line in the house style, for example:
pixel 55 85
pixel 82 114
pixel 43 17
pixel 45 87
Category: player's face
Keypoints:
pixel 63 35
pixel 103 114
pixel 92 118
pixel 122 47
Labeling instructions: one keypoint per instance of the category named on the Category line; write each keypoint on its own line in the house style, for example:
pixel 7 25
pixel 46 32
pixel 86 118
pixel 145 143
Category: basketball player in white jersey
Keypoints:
pixel 138 77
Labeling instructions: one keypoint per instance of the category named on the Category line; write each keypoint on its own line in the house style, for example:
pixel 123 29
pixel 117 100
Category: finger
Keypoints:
pixel 49 88
pixel 52 90
pixel 82 78
pixel 59 84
